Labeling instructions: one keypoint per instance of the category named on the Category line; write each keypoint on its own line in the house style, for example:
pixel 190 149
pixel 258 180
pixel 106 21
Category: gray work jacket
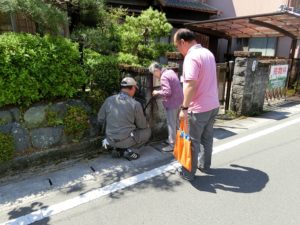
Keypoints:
pixel 121 115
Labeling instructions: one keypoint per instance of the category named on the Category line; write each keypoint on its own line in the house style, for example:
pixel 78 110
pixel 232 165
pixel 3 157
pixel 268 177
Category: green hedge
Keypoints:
pixel 103 70
pixel 33 68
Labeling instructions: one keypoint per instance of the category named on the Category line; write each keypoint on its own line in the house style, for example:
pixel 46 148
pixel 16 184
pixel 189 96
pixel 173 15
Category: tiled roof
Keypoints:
pixel 189 4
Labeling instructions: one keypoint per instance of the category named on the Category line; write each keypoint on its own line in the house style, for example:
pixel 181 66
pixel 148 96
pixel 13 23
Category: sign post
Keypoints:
pixel 277 81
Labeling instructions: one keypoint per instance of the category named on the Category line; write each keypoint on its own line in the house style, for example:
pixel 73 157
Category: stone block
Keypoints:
pixel 247 103
pixel 237 80
pixel 60 108
pixel 247 54
pixel 236 103
pixel 46 137
pixel 21 137
pixel 35 116
pixel 16 114
pixel 241 62
pixel 5 117
pixel 6 128
pixel 240 71
pixel 80 103
pixel 238 89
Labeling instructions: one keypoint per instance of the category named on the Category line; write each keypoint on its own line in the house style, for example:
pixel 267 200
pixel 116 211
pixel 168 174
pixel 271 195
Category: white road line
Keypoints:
pixel 100 192
pixel 89 196
pixel 250 137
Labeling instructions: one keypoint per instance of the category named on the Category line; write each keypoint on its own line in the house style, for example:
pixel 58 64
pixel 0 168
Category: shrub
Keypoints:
pixel 53 119
pixel 140 36
pixel 76 122
pixel 127 58
pixel 34 68
pixel 2 122
pixel 96 98
pixel 6 147
pixel 103 71
pixel 47 17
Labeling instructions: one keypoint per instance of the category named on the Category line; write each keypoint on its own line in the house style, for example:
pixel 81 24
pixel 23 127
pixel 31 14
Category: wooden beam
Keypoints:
pixel 291 57
pixel 273 27
pixel 293 49
pixel 209 32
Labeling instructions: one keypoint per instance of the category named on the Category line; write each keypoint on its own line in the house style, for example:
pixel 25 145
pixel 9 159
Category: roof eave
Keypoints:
pixel 213 12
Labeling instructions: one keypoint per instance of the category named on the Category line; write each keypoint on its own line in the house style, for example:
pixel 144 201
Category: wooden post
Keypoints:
pixel 229 74
pixel 13 22
pixel 291 58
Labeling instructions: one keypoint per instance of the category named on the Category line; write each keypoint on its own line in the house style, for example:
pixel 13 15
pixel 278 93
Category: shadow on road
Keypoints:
pixel 21 211
pixel 221 133
pixel 239 179
pixel 161 182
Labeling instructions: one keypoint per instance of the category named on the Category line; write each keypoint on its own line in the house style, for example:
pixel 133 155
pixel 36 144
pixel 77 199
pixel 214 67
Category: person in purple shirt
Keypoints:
pixel 172 94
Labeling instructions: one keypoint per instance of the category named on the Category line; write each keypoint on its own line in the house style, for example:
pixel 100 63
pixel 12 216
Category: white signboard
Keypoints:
pixel 278 76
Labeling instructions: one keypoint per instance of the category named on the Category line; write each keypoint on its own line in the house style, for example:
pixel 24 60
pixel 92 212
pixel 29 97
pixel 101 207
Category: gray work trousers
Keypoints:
pixel 139 138
pixel 173 125
pixel 201 132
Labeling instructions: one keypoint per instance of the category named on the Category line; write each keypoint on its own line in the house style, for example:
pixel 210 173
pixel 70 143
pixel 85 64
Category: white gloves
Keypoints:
pixel 105 143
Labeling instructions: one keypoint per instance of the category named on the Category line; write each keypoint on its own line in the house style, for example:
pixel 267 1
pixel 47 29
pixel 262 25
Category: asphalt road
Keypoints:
pixel 256 182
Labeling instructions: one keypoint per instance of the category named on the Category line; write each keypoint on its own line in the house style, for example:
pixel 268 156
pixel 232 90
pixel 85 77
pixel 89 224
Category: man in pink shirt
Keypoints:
pixel 201 104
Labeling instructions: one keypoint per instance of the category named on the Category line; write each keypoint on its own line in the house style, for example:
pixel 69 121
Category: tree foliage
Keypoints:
pixel 140 36
pixel 104 37
pixel 103 70
pixel 48 17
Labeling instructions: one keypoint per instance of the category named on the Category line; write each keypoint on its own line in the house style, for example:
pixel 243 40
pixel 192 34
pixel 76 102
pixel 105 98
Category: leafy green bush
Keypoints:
pixel 103 71
pixel 53 119
pixel 6 147
pixel 2 122
pixel 76 122
pixel 96 98
pixel 140 36
pixel 33 68
pixel 129 59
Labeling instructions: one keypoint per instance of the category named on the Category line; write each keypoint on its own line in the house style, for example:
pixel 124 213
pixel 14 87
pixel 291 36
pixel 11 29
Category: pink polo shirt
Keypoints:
pixel 199 65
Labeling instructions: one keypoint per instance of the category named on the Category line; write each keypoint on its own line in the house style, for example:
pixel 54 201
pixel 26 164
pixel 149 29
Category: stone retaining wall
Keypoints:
pixel 31 131
pixel 250 81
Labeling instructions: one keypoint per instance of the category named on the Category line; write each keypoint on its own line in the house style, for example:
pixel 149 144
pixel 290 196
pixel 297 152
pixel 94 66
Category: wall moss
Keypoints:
pixel 76 122
pixel 6 147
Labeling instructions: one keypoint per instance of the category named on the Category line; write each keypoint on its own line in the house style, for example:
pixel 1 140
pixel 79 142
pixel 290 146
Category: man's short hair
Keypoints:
pixel 154 66
pixel 185 34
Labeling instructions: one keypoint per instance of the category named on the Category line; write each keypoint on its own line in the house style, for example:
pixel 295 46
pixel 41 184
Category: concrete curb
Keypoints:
pixel 84 148
pixel 104 169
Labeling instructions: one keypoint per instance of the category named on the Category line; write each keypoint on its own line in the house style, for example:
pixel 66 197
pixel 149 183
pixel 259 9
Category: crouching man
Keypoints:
pixel 125 123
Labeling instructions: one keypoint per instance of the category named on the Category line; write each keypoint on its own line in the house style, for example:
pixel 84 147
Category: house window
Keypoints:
pixel 296 4
pixel 242 44
pixel 5 23
pixel 266 45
